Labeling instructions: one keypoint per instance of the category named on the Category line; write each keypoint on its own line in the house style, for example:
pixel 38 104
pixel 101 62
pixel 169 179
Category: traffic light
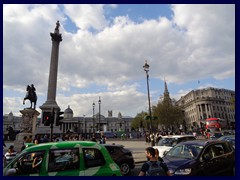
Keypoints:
pixel 59 118
pixel 47 118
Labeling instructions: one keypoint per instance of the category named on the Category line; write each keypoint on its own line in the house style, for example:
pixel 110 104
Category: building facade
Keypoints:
pixel 79 125
pixel 205 103
pixel 95 123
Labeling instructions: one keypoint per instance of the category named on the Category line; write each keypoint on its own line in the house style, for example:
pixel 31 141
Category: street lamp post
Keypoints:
pixel 93 105
pixel 99 102
pixel 146 69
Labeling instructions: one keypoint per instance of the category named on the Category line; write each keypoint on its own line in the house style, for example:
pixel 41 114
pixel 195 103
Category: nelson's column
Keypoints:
pixel 51 106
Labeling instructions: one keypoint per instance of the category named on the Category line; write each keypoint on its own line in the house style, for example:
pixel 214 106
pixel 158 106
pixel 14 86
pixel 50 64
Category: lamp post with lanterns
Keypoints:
pixel 146 69
pixel 99 102
pixel 93 105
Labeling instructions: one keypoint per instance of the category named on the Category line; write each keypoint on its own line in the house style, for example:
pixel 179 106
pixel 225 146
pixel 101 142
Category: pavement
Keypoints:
pixel 137 146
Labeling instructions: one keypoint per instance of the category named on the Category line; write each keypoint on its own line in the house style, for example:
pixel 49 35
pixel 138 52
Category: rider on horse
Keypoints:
pixel 31 95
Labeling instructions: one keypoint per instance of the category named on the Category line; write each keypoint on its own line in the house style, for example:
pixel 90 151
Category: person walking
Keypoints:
pixel 153 167
pixel 24 143
pixel 10 154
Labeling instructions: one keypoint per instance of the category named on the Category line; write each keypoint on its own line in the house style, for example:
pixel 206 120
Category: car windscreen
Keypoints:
pixel 167 142
pixel 189 151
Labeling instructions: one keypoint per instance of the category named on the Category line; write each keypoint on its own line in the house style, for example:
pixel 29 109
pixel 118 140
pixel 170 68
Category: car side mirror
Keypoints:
pixel 164 153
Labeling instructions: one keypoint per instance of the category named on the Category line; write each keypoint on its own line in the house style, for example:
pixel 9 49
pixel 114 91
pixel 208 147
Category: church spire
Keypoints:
pixel 165 88
pixel 166 96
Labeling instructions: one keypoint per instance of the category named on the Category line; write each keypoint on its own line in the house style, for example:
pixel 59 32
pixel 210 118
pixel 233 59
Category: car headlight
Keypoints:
pixel 183 171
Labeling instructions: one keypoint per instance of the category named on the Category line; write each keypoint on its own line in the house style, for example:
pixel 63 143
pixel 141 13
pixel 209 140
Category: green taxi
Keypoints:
pixel 66 158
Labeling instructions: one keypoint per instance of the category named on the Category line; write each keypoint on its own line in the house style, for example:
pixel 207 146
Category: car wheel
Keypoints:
pixel 125 168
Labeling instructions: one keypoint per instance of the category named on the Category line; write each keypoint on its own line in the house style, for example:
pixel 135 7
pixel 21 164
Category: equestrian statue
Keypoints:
pixel 31 95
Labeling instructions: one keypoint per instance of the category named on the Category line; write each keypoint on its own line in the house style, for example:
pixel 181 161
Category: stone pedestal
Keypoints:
pixel 28 126
pixel 18 143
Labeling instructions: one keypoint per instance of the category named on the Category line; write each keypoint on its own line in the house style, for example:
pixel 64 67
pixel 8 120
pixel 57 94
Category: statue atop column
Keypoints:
pixel 57 27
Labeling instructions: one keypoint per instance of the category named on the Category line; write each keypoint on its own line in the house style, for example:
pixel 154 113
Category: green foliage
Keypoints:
pixel 169 116
pixel 137 121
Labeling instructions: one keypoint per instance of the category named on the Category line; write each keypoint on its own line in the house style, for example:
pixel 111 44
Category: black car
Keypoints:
pixel 201 158
pixel 122 157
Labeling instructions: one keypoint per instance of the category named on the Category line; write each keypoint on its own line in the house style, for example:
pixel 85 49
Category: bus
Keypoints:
pixel 215 124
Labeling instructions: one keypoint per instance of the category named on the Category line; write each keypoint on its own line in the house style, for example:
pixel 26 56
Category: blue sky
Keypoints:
pixel 104 48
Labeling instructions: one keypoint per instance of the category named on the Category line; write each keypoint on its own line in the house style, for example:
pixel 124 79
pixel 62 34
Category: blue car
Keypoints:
pixel 229 138
pixel 201 158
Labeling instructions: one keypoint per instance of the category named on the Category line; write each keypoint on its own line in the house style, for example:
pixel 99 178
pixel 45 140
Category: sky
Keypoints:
pixel 104 48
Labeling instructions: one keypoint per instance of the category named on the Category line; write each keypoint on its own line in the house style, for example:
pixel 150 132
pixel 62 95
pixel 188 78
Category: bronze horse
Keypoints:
pixel 31 96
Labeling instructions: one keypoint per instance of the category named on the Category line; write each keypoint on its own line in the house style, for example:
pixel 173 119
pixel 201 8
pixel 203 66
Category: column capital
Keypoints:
pixel 56 37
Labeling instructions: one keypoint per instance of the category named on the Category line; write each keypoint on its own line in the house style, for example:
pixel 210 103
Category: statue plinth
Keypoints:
pixel 29 120
pixel 28 126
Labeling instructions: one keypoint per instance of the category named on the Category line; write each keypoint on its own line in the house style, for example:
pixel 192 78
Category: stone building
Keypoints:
pixel 205 103
pixel 90 124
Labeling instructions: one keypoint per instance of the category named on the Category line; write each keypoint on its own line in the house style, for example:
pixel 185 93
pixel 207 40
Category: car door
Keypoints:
pixel 226 158
pixel 208 163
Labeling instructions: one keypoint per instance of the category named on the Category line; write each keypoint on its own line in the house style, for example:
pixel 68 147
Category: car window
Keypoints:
pixel 213 151
pixel 29 163
pixel 217 150
pixel 207 154
pixel 93 157
pixel 63 159
pixel 111 149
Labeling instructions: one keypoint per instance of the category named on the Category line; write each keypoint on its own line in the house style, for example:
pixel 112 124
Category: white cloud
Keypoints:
pixel 198 43
pixel 86 16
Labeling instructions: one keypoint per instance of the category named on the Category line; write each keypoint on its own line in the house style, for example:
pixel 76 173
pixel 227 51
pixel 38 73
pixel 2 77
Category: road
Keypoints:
pixel 136 170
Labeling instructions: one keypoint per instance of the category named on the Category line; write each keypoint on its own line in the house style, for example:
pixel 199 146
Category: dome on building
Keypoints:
pixel 68 113
pixel 10 116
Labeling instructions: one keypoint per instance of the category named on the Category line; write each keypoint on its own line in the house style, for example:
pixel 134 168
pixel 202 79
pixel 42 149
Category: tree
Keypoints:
pixel 169 115
pixel 139 120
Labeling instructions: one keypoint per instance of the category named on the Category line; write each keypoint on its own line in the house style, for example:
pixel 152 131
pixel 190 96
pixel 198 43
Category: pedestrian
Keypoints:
pixel 29 139
pixel 4 145
pixel 24 143
pixel 152 139
pixel 93 139
pixel 10 154
pixel 36 141
pixel 147 140
pixel 158 158
pixel 153 167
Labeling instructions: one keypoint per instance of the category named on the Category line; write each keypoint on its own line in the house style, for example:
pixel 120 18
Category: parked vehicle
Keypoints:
pixel 165 143
pixel 123 157
pixel 110 134
pixel 66 158
pixel 201 157
pixel 229 138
